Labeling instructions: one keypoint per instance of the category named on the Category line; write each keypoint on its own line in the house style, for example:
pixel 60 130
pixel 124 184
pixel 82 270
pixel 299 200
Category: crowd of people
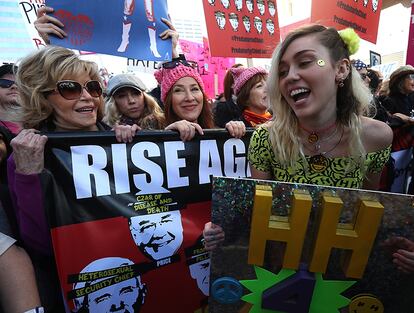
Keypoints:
pixel 311 114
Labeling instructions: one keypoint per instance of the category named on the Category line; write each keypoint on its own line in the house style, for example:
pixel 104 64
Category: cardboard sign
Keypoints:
pixel 307 248
pixel 212 69
pixel 19 36
pixel 243 29
pixel 363 16
pixel 128 28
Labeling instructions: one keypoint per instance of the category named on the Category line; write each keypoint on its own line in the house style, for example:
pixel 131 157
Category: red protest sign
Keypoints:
pixel 410 47
pixel 240 28
pixel 363 16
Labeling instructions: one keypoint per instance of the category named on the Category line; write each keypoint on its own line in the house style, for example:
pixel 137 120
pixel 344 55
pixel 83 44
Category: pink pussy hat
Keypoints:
pixel 167 77
pixel 242 74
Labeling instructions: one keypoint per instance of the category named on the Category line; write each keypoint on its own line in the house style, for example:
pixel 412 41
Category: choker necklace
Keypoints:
pixel 317 144
pixel 313 135
pixel 319 162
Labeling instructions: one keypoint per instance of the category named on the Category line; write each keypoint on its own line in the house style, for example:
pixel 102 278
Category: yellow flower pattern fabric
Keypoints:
pixel 337 173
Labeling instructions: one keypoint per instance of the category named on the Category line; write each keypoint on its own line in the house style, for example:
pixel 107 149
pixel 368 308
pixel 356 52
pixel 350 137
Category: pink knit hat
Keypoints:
pixel 242 74
pixel 167 77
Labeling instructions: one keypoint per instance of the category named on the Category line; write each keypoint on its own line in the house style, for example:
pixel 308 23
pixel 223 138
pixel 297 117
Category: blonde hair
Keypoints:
pixel 152 111
pixel 38 74
pixel 353 100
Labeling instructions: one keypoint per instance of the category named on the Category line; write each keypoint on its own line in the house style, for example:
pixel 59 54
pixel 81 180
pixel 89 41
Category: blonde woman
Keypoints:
pixel 128 103
pixel 59 92
pixel 319 134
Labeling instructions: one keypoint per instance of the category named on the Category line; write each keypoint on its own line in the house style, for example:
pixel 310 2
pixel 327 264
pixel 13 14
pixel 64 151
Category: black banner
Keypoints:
pixel 128 217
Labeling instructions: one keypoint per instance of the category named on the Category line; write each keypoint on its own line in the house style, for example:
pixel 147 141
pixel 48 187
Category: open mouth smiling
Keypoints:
pixel 299 93
pixel 85 109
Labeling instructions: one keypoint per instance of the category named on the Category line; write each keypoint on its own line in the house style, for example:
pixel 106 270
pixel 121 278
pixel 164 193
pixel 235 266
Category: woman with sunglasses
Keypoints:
pixel 9 96
pixel 186 106
pixel 59 92
pixel 128 104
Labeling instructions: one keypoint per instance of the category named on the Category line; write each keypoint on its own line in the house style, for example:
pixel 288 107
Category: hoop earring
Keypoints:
pixel 341 83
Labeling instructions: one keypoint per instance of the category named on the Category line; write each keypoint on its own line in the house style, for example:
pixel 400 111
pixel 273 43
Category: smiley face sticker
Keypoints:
pixel 320 62
pixel 365 304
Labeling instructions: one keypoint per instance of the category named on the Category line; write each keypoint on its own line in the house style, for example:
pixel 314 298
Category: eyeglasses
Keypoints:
pixel 71 90
pixel 6 83
pixel 173 64
pixel 411 76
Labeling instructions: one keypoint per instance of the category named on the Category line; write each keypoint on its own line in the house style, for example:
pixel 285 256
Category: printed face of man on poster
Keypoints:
pixel 374 5
pixel 157 235
pixel 270 26
pixel 246 23
pixel 200 271
pixel 238 4
pixel 234 21
pixel 220 19
pixel 272 8
pixel 258 24
pixel 225 3
pixel 249 5
pixel 124 297
pixel 261 6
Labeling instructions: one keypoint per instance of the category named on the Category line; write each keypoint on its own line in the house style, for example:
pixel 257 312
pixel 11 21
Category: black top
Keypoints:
pixel 399 103
pixel 226 111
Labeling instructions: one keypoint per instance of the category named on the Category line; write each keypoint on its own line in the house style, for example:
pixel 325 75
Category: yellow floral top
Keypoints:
pixel 335 172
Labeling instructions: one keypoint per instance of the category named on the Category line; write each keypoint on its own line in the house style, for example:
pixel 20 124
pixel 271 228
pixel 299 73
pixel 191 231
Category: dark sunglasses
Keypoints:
pixel 71 90
pixel 173 64
pixel 6 83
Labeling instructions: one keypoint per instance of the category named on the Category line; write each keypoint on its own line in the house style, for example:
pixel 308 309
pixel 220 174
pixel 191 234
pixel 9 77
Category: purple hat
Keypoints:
pixel 242 74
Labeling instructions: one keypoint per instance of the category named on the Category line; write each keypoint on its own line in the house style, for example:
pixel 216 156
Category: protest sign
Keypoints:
pixel 362 16
pixel 127 219
pixel 19 37
pixel 243 29
pixel 122 28
pixel 309 248
pixel 410 46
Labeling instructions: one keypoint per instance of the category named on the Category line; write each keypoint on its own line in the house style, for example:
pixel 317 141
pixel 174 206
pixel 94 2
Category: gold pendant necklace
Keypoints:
pixel 319 162
pixel 313 134
pixel 313 137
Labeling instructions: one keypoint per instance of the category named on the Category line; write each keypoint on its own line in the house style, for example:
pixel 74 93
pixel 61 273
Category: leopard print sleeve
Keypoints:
pixel 260 150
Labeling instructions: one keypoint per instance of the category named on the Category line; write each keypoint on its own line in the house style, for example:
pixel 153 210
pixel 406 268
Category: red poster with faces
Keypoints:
pixel 242 28
pixel 117 272
pixel 361 15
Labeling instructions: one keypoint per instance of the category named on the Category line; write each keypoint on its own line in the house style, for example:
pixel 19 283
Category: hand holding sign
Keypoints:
pixel 46 24
pixel 402 250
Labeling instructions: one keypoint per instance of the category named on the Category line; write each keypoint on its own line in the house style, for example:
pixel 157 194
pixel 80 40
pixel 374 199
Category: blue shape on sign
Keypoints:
pixel 127 28
pixel 226 290
pixel 292 295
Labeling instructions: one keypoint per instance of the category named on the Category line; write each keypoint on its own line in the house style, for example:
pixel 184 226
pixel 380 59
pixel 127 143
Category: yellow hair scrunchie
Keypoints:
pixel 351 39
